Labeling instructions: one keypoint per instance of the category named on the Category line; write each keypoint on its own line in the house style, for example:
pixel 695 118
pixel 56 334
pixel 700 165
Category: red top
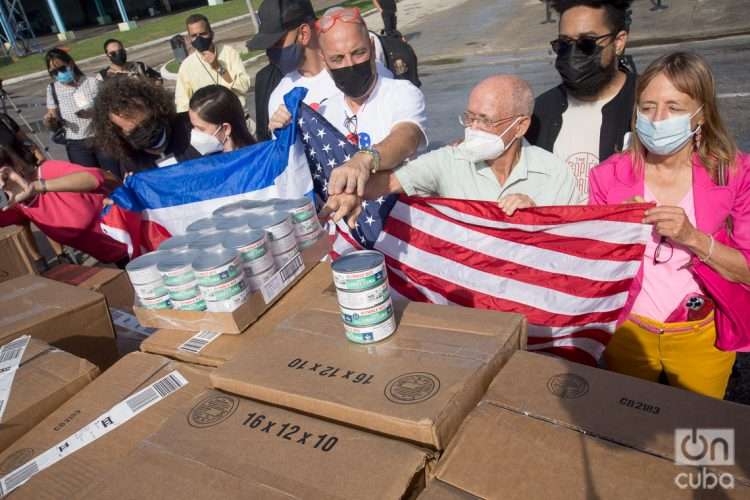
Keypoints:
pixel 69 218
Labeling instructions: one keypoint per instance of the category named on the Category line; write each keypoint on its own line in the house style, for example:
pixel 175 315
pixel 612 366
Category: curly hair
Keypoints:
pixel 618 11
pixel 124 97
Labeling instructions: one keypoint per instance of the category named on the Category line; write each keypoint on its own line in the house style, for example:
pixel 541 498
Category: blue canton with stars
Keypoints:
pixel 326 148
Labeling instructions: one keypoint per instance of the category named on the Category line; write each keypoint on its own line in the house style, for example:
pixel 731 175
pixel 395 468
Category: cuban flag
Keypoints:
pixel 155 204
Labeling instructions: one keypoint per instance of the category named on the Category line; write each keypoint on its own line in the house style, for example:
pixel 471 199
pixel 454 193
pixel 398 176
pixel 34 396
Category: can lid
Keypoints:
pixel 179 241
pixel 238 207
pixel 176 260
pixel 209 242
pixel 269 220
pixel 210 260
pixel 144 261
pixel 358 261
pixel 241 239
pixel 294 203
pixel 205 224
pixel 230 223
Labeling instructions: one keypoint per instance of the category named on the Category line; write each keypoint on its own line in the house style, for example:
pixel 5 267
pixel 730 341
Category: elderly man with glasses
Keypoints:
pixel 494 162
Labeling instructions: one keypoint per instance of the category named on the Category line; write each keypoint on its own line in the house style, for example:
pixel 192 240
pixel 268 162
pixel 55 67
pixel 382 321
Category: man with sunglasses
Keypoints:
pixel 209 64
pixel 493 162
pixel 587 118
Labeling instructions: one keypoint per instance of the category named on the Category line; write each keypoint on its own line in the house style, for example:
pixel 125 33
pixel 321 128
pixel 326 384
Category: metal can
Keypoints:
pixel 184 291
pixel 215 268
pixel 179 243
pixel 283 258
pixel 158 303
pixel 242 206
pixel 236 223
pixel 283 245
pixel 306 227
pixel 194 304
pixel 212 242
pixel 365 298
pixel 277 224
pixel 204 225
pixel 255 281
pixel 142 270
pixel 368 316
pixel 252 246
pixel 224 291
pixel 177 268
pixel 371 334
pixel 359 271
pixel 309 240
pixel 228 305
pixel 151 290
pixel 301 209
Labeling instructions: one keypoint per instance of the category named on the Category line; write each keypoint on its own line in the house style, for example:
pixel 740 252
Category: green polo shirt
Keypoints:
pixel 448 173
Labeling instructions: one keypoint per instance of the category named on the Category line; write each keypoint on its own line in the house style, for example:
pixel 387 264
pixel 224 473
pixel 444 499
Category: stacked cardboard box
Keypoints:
pixel 418 385
pixel 16 255
pixel 45 379
pixel 552 429
pixel 71 318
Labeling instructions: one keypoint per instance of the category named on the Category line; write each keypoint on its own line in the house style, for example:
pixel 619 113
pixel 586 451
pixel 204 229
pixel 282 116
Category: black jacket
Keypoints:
pixel 266 80
pixel 616 115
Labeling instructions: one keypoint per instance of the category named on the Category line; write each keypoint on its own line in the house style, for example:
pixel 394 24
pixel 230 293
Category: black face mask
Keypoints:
pixel 202 43
pixel 119 58
pixel 287 59
pixel 582 75
pixel 354 81
pixel 152 135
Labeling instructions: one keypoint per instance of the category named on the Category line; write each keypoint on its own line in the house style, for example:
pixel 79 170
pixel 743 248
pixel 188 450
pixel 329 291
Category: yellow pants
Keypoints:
pixel 685 352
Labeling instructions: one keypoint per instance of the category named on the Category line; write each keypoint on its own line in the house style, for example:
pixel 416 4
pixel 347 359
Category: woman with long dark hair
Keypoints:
pixel 218 121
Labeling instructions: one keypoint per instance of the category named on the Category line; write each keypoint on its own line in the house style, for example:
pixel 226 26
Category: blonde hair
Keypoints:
pixel 691 75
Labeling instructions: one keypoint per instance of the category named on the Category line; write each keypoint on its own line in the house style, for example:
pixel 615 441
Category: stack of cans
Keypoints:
pixel 364 296
pixel 150 290
pixel 176 269
pixel 221 280
pixel 305 218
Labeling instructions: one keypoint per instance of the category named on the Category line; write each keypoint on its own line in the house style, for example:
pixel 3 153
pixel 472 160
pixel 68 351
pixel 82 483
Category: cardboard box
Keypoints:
pixel 111 282
pixel 223 348
pixel 418 385
pixel 16 258
pixel 552 429
pixel 226 447
pixel 76 472
pixel 71 318
pixel 237 321
pixel 45 379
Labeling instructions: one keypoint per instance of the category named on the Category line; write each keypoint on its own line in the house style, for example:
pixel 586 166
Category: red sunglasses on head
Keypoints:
pixel 343 14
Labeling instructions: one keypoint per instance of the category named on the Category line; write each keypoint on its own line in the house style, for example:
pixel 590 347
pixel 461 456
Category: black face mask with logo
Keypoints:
pixel 584 75
pixel 354 81
pixel 151 136
pixel 119 57
pixel 202 43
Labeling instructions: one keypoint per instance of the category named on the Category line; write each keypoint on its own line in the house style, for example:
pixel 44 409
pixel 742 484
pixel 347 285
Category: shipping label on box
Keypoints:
pixel 417 385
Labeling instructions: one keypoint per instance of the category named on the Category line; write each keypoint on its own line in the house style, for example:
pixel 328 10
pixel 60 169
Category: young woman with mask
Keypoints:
pixel 120 66
pixel 218 121
pixel 70 99
pixel 684 161
pixel 63 200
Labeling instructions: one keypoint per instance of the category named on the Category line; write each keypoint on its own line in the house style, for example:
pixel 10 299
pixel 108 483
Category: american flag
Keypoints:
pixel 567 269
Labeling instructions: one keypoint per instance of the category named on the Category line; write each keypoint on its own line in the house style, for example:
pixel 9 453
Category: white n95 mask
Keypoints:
pixel 206 144
pixel 665 137
pixel 479 145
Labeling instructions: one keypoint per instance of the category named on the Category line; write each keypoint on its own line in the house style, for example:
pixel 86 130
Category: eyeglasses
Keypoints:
pixel 664 246
pixel 350 123
pixel 586 45
pixel 55 71
pixel 467 119
pixel 343 14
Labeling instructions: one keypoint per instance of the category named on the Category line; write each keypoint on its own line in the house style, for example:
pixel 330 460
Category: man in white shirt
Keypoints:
pixel 384 117
pixel 208 65
pixel 493 163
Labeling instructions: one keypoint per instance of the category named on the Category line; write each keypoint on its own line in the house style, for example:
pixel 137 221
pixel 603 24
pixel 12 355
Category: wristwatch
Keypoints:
pixel 375 158
pixel 221 70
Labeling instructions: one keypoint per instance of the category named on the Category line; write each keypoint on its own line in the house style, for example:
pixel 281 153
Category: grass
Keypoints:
pixel 146 31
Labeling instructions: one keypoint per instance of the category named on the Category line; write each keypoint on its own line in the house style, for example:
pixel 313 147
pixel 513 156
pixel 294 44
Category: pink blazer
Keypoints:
pixel 615 180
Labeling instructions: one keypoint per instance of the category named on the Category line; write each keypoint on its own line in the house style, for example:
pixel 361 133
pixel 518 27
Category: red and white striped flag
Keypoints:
pixel 567 269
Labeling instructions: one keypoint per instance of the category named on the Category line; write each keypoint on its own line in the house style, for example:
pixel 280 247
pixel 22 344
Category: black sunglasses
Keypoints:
pixel 586 44
pixel 664 243
pixel 55 71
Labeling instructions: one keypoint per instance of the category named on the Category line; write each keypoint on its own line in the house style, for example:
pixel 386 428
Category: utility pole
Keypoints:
pixel 253 16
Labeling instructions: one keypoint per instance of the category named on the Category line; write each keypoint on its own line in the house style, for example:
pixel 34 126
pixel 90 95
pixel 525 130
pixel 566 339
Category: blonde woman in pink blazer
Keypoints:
pixel 683 160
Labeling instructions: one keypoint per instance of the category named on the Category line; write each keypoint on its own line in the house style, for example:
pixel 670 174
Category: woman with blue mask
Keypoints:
pixel 684 163
pixel 70 100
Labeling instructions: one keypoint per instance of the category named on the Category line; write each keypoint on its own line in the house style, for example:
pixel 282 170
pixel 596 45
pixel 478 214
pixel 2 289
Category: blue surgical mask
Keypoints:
pixel 65 76
pixel 287 59
pixel 665 137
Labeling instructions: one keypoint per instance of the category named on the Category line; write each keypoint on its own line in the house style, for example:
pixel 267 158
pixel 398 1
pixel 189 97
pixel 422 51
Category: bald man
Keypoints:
pixel 493 163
